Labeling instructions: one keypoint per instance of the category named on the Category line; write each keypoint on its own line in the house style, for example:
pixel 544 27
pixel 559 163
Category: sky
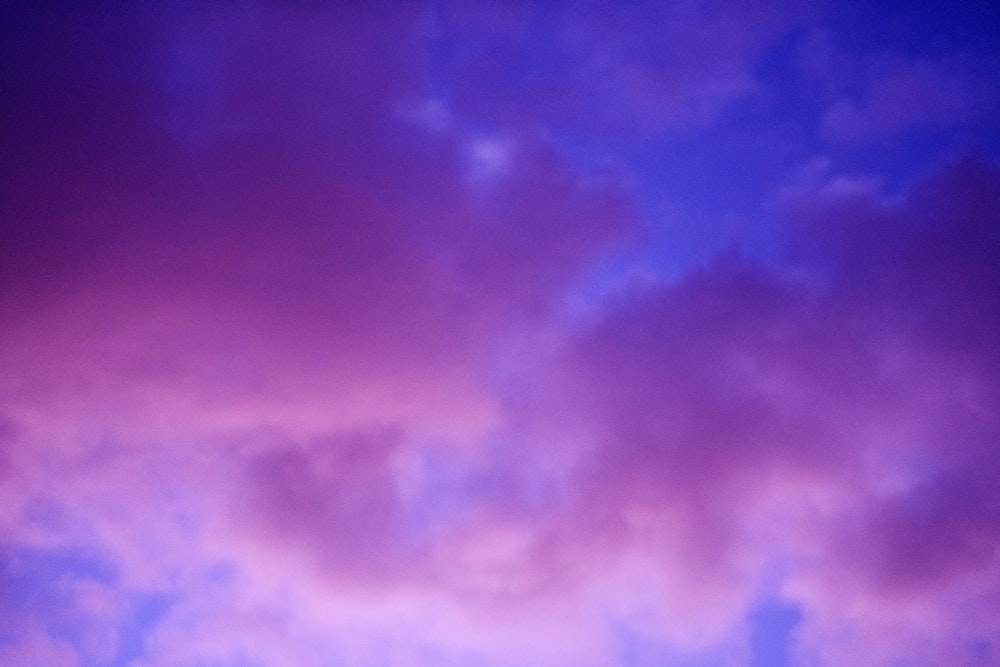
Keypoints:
pixel 500 334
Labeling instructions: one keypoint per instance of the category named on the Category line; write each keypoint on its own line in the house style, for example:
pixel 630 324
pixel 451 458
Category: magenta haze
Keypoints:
pixel 499 334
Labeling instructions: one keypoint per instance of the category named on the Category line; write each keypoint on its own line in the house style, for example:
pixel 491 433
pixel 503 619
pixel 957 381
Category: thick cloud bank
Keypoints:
pixel 353 337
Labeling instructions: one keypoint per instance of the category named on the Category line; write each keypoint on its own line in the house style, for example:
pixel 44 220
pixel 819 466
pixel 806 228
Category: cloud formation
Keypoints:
pixel 337 337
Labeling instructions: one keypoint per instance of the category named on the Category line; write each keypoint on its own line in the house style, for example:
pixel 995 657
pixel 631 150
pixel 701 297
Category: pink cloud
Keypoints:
pixel 697 434
pixel 39 650
pixel 300 368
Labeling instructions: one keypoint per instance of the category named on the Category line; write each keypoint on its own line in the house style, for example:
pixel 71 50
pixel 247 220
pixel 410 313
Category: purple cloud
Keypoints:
pixel 337 336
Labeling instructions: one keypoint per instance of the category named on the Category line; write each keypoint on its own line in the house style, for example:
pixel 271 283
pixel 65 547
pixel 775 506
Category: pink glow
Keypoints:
pixel 351 337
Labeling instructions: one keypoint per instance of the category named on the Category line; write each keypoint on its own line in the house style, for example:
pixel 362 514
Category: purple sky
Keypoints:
pixel 500 335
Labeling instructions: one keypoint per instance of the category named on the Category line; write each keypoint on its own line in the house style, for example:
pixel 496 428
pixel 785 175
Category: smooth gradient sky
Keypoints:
pixel 498 334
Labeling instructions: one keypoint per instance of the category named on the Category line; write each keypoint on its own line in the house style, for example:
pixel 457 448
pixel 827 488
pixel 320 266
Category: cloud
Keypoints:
pixel 289 376
pixel 614 69
pixel 906 95
pixel 39 650
pixel 242 293
pixel 835 415
pixel 320 251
